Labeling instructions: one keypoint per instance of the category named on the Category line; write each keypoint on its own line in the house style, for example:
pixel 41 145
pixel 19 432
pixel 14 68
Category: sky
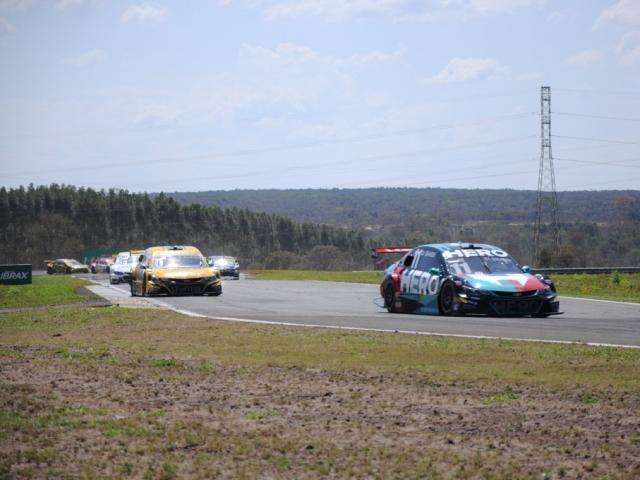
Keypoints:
pixel 239 94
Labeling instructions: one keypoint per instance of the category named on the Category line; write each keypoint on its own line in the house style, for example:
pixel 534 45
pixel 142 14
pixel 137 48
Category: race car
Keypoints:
pixel 101 264
pixel 174 270
pixel 120 271
pixel 228 266
pixel 459 279
pixel 65 265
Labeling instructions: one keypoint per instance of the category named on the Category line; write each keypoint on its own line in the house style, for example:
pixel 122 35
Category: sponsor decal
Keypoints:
pixel 15 274
pixel 474 252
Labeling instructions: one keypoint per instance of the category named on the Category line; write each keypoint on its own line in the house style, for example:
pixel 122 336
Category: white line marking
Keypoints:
pixel 599 300
pixel 382 330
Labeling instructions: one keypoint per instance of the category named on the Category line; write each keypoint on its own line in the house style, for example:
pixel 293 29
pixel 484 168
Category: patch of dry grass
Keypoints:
pixel 116 393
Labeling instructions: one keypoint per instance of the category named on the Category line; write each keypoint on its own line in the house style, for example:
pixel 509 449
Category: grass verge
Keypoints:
pixel 117 393
pixel 44 291
pixel 617 286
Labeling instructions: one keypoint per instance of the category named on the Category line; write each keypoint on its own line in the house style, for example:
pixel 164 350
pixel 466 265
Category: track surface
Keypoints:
pixel 351 305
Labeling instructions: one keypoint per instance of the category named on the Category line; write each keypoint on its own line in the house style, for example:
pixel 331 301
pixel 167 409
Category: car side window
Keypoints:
pixel 428 260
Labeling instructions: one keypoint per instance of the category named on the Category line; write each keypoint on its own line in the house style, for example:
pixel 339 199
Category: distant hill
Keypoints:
pixel 391 206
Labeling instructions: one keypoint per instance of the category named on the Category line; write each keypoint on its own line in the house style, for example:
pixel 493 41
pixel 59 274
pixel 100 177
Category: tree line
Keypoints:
pixel 63 221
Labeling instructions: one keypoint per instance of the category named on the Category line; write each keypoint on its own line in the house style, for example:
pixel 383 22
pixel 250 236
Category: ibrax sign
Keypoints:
pixel 15 274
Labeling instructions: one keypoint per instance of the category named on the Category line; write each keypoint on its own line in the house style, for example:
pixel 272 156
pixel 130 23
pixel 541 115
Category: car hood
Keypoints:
pixel 121 268
pixel 183 273
pixel 512 282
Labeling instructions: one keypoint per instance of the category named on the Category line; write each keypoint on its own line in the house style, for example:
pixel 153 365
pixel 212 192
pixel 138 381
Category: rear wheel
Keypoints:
pixel 447 298
pixel 390 299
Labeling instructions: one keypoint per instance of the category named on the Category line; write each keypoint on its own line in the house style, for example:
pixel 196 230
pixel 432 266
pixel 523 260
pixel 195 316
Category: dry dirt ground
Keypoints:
pixel 72 414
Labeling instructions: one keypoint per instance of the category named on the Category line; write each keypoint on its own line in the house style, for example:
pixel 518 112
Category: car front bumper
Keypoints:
pixel 179 287
pixel 120 277
pixel 489 303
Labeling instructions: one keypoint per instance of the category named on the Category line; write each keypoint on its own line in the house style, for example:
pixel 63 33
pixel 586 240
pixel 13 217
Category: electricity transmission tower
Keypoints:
pixel 547 201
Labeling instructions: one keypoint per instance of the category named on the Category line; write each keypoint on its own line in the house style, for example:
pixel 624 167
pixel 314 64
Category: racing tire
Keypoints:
pixel 446 299
pixel 216 292
pixel 390 299
pixel 93 270
pixel 50 272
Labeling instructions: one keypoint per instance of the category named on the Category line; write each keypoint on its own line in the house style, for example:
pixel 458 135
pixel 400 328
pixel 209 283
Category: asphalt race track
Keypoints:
pixel 352 305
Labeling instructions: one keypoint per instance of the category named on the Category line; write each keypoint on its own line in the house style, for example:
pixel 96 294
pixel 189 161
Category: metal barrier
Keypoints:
pixel 588 271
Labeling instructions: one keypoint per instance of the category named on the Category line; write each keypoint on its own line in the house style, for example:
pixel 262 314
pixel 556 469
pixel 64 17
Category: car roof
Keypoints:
pixel 174 250
pixel 449 247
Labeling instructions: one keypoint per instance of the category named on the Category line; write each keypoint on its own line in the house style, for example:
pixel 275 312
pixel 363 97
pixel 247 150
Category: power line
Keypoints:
pixel 602 117
pixel 248 152
pixel 324 165
pixel 604 140
pixel 607 164
pixel 598 92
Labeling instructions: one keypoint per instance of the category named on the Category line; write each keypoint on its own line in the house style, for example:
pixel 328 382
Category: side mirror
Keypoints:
pixel 434 271
pixel 526 269
pixel 408 261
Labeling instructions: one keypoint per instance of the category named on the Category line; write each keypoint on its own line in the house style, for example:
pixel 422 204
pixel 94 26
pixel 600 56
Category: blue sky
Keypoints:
pixel 317 93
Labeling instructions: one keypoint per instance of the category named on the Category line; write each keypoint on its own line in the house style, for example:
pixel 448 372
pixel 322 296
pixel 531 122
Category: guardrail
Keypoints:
pixel 588 271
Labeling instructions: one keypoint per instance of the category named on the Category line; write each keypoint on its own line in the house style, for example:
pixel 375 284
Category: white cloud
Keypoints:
pixel 144 13
pixel 625 12
pixel 65 4
pixel 628 47
pixel 6 26
pixel 87 59
pixel 398 10
pixel 16 4
pixel 290 55
pixel 502 6
pixel 332 9
pixel 585 58
pixel 467 69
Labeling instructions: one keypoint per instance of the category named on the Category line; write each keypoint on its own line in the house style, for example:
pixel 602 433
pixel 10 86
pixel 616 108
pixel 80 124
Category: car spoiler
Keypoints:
pixel 394 249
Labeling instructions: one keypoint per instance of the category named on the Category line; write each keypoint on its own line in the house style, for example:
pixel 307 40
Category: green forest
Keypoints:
pixel 392 206
pixel 59 221
pixel 598 228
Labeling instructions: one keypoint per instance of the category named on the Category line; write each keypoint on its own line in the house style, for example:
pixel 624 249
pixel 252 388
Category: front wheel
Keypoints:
pixel 390 299
pixel 216 292
pixel 447 298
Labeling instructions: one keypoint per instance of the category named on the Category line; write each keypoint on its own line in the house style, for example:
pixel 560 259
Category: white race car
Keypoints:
pixel 120 271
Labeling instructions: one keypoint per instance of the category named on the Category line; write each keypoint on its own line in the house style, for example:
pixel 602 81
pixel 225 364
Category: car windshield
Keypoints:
pixel 179 261
pixel 223 260
pixel 487 265
pixel 123 259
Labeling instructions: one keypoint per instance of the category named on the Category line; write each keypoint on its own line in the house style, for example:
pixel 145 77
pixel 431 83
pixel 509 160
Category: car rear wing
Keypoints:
pixel 380 262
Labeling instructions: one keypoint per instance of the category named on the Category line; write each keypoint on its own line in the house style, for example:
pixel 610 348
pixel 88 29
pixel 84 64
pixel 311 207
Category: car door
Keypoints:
pixel 428 273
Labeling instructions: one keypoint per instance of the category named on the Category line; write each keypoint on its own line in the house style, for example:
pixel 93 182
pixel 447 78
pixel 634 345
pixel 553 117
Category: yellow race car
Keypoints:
pixel 174 270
